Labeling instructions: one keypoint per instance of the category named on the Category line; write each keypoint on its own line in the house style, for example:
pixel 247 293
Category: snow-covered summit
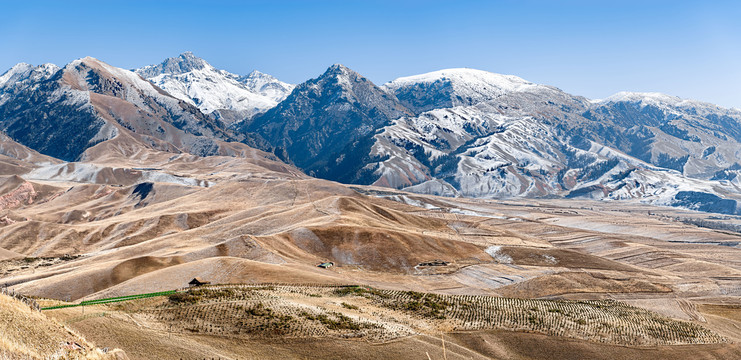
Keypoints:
pixel 339 69
pixel 183 63
pixel 23 71
pixel 228 96
pixel 266 85
pixel 478 81
pixel 666 102
pixel 23 75
pixel 17 71
pixel 454 87
pixel 647 97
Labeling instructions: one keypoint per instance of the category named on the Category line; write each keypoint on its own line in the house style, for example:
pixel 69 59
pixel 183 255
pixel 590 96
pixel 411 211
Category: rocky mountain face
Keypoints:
pixel 464 132
pixel 499 136
pixel 325 122
pixel 38 111
pixel 455 132
pixel 697 139
pixel 65 112
pixel 226 96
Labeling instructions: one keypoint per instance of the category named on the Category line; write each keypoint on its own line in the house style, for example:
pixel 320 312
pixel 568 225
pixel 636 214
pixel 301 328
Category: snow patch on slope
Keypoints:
pixel 91 173
pixel 494 251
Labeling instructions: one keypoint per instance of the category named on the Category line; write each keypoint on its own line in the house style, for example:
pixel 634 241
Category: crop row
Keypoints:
pixel 267 310
pixel 604 321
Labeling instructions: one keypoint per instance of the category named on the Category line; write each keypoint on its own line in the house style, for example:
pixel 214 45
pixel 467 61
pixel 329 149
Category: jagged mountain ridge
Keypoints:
pixel 451 132
pixel 473 133
pixel 226 96
pixel 67 112
pixel 452 87
pixel 326 118
pixel 536 141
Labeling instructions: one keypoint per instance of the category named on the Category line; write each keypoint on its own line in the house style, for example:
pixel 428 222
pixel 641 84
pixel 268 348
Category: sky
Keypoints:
pixel 690 49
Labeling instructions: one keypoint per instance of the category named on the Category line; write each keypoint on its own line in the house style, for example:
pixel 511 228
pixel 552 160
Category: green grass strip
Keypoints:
pixel 111 300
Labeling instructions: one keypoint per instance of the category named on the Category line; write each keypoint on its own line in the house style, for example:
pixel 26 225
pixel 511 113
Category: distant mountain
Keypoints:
pixel 500 136
pixel 692 137
pixel 326 121
pixel 453 87
pixel 64 112
pixel 454 132
pixel 228 97
pixel 465 132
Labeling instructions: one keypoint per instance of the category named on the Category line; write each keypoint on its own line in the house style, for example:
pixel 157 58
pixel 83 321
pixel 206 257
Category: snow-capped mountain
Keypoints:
pixel 500 145
pixel 473 133
pixel 453 87
pixel 267 85
pixel 524 139
pixel 226 96
pixel 65 112
pixel 695 138
pixel 454 132
pixel 22 74
pixel 322 122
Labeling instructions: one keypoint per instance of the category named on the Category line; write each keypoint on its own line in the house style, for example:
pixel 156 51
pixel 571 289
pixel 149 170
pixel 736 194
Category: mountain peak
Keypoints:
pixel 181 64
pixel 343 76
pixel 22 71
pixel 463 77
pixel 255 75
pixel 452 87
pixel 629 96
pixel 324 115
pixel 21 66
pixel 339 69
pixel 87 60
pixel 337 66
pixel 193 80
pixel 190 61
pixel 656 99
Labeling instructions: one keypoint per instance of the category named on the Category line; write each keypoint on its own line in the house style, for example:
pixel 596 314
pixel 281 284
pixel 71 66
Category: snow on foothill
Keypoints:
pixel 494 251
pixel 88 173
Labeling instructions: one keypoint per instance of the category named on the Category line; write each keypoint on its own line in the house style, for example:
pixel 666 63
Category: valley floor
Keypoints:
pixel 561 279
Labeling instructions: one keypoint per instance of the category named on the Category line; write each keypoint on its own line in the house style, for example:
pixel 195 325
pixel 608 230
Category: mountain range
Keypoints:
pixel 120 187
pixel 454 132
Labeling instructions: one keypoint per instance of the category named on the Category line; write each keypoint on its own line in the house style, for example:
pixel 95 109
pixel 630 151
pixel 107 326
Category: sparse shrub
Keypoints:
pixel 427 305
pixel 183 298
pixel 535 320
pixel 259 310
pixel 340 321
pixel 361 291
pixel 350 290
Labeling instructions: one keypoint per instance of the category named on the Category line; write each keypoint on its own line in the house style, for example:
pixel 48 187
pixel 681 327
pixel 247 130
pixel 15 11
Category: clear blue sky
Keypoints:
pixel 592 48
